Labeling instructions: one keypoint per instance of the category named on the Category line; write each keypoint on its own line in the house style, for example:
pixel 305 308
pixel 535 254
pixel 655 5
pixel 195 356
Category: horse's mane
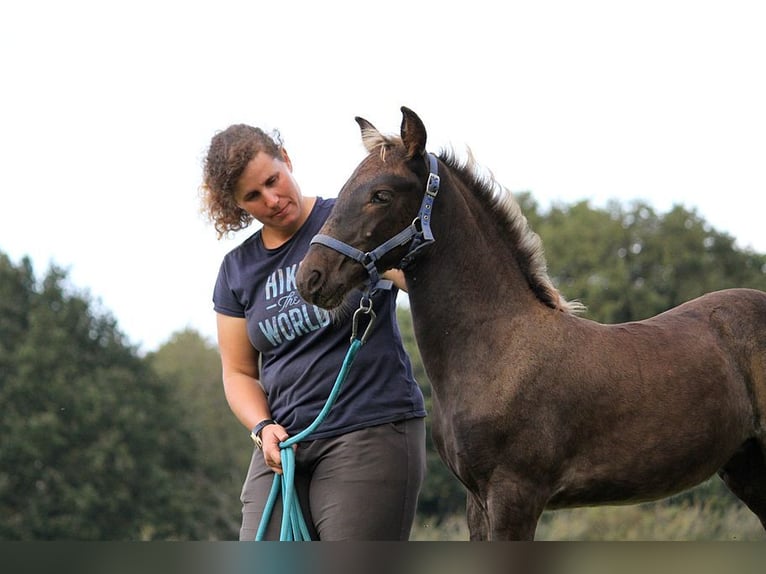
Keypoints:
pixel 529 247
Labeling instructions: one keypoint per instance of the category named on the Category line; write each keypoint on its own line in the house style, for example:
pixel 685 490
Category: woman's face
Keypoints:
pixel 267 191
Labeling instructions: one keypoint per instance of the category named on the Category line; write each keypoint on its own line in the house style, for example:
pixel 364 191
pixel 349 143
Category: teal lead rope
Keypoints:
pixel 293 524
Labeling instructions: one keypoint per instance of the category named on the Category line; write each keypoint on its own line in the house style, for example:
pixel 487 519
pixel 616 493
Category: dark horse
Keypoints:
pixel 534 407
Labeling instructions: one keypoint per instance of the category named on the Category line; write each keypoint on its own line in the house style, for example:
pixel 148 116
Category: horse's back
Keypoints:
pixel 740 302
pixel 738 318
pixel 726 326
pixel 739 299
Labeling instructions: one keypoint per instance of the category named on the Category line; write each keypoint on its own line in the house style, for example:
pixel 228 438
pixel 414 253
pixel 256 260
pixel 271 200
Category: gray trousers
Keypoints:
pixel 363 485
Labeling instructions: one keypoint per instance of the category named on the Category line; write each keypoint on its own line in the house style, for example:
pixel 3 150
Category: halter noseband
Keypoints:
pixel 418 232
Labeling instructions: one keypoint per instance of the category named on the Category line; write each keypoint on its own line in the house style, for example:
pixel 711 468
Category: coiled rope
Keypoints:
pixel 293 524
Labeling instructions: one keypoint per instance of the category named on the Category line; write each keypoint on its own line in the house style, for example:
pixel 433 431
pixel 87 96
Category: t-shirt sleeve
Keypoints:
pixel 225 300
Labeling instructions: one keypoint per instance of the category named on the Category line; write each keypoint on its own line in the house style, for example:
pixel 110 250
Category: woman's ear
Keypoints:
pixel 286 159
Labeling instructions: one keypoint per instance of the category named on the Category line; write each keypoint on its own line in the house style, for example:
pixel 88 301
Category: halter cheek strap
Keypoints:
pixel 425 236
pixel 418 234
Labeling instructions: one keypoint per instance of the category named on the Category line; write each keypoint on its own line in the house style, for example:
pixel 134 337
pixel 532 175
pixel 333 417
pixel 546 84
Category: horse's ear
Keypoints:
pixel 370 134
pixel 413 133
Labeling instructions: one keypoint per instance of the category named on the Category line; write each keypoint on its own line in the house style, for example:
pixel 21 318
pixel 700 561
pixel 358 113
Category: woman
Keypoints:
pixel 359 474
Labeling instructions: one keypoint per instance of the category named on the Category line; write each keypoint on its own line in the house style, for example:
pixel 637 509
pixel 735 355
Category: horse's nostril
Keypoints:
pixel 314 281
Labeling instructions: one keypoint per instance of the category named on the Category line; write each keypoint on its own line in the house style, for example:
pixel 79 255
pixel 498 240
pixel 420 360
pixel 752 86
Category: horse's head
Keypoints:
pixel 379 200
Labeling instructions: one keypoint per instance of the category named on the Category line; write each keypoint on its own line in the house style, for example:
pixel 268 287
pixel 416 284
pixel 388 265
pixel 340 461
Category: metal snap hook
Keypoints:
pixel 365 308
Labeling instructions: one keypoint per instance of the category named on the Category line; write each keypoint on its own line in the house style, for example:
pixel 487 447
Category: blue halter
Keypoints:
pixel 418 233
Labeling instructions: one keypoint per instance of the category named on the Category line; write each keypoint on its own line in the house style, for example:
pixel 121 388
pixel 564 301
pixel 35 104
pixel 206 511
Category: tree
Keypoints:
pixel 192 366
pixel 631 263
pixel 91 441
pixel 16 287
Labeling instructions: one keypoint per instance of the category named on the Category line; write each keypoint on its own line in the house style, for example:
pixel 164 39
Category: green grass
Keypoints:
pixel 651 521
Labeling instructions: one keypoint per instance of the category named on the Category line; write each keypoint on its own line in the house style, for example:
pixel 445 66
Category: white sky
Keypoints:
pixel 107 109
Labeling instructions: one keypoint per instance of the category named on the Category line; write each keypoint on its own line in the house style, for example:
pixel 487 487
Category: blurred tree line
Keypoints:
pixel 100 443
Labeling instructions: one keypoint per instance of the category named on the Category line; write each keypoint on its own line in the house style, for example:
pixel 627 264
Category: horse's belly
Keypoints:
pixel 614 483
pixel 610 492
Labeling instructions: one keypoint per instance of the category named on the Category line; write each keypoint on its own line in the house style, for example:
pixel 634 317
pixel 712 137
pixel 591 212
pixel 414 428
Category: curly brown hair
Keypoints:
pixel 229 153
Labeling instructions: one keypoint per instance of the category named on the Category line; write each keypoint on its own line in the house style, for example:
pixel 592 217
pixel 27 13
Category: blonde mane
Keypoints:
pixel 529 247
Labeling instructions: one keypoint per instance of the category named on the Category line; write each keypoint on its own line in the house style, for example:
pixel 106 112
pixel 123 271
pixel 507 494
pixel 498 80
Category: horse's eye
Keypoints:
pixel 381 196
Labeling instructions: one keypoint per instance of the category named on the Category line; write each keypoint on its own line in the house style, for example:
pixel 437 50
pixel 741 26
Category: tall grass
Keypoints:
pixel 651 521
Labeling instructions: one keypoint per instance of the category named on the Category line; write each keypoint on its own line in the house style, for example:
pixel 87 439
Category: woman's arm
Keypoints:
pixel 246 397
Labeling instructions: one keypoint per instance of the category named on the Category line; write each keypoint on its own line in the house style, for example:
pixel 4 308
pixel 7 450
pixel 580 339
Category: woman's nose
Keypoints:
pixel 270 199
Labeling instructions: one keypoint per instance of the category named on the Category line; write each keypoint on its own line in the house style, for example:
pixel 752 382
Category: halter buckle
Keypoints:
pixel 432 186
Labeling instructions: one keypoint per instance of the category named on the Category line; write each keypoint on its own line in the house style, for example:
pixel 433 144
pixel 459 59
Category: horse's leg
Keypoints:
pixel 478 524
pixel 745 475
pixel 513 507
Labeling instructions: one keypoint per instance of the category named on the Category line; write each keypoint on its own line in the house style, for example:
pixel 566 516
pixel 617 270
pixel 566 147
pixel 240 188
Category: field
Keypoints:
pixel 653 521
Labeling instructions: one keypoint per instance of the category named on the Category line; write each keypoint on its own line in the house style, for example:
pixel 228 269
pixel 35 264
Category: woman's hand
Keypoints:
pixel 397 276
pixel 271 436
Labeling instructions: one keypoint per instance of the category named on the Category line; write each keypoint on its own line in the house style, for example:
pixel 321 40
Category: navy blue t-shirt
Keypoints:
pixel 302 348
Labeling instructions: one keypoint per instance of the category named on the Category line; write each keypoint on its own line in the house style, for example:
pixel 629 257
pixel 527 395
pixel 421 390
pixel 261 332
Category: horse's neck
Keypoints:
pixel 471 266
pixel 455 292
pixel 467 279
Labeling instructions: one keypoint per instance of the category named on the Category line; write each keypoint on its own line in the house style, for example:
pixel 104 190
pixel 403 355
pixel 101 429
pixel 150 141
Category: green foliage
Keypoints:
pixel 91 440
pixel 630 263
pixel 192 366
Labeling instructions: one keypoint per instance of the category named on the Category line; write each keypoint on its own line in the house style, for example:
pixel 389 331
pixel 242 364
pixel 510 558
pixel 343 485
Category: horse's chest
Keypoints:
pixel 460 440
